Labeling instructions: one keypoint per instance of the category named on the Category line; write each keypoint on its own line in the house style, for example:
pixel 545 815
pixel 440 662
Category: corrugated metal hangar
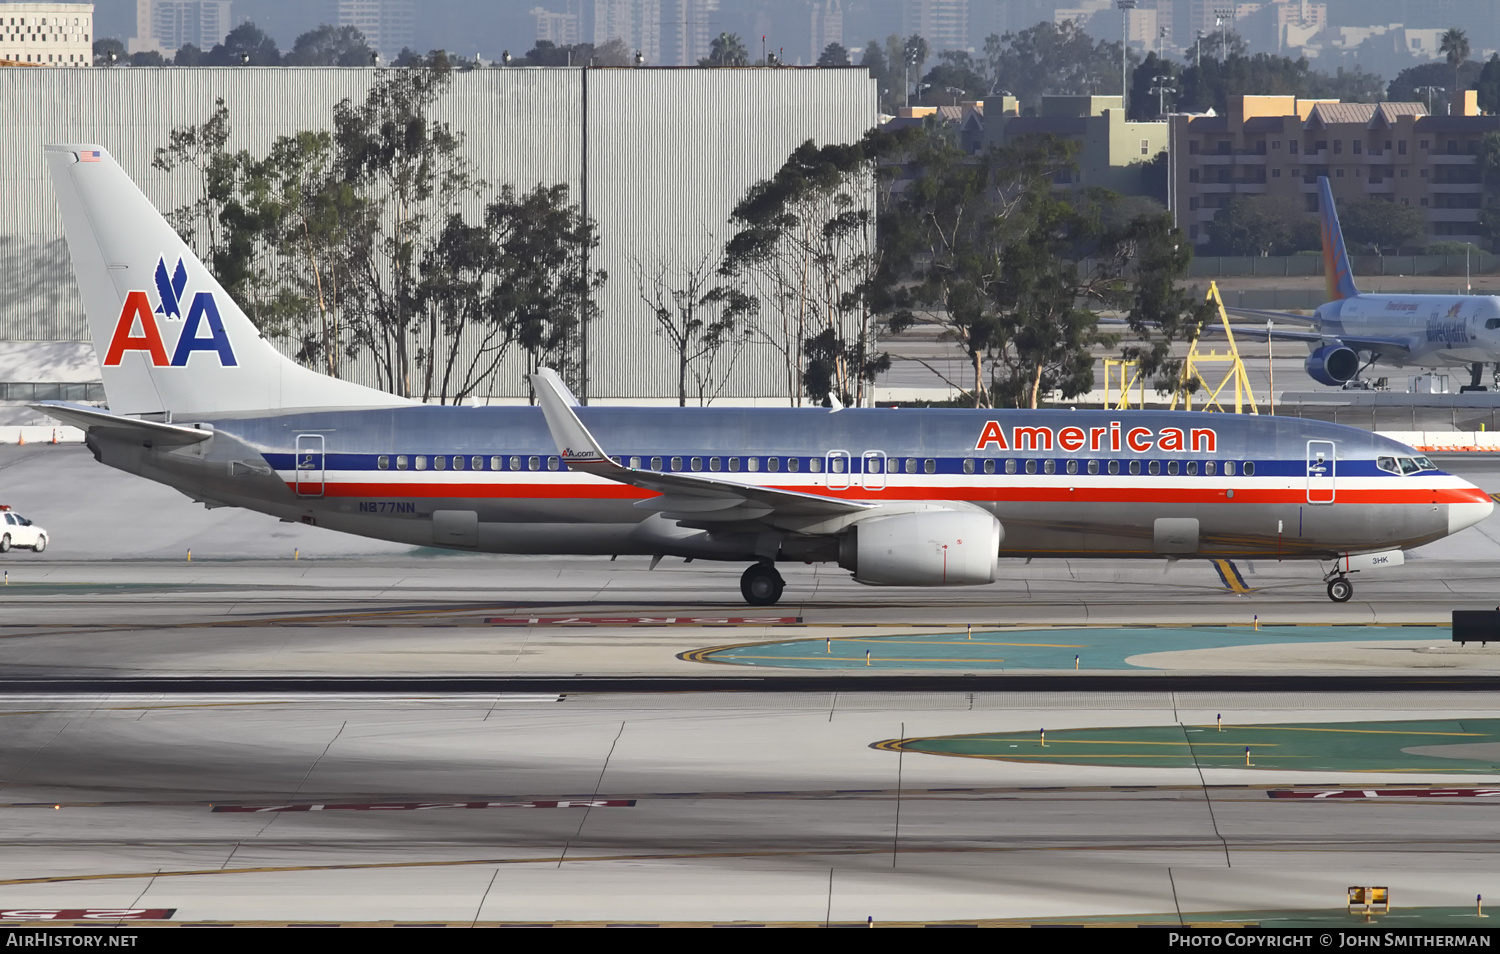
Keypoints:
pixel 660 156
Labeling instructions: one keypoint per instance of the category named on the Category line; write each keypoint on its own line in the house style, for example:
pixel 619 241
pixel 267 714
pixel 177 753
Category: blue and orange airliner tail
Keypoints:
pixel 1336 269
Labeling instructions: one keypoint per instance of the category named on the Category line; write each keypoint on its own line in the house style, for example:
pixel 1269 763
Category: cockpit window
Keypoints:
pixel 1492 323
pixel 1408 466
pixel 1387 464
pixel 1426 463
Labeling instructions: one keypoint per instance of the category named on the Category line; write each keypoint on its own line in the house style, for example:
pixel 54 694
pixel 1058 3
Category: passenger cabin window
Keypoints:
pixel 553 463
pixel 458 462
pixel 1031 467
pixel 734 464
pixel 1114 467
pixel 911 465
pixel 773 464
pixel 515 463
pixel 696 463
pixel 1192 468
pixel 1249 468
pixel 1135 467
pixel 929 466
pixel 1171 468
pixel 815 465
pixel 1049 466
pixel 989 467
pixel 836 465
pixel 421 462
pixel 1208 468
pixel 752 464
pixel 1093 467
pixel 656 463
pixel 1010 467
pixel 383 462
pixel 1229 468
pixel 793 464
pixel 440 463
pixel 677 463
pixel 533 463
pixel 1072 466
pixel 968 465
pixel 495 463
pixel 635 463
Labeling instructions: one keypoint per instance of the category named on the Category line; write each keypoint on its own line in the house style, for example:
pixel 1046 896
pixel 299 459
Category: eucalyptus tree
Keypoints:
pixel 701 318
pixel 805 247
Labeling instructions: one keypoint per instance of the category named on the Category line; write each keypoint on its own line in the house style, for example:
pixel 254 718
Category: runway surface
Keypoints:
pixel 695 807
pixel 577 801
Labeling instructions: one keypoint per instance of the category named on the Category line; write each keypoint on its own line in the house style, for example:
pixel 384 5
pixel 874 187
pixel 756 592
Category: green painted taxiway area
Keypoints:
pixel 1085 648
pixel 1467 746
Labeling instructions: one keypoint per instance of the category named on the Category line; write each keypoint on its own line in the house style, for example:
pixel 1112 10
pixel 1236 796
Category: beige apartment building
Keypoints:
pixel 1279 145
pixel 47 34
pixel 1112 149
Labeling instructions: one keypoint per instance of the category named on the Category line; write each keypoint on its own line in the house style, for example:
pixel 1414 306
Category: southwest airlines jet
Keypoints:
pixel 1353 331
pixel 199 401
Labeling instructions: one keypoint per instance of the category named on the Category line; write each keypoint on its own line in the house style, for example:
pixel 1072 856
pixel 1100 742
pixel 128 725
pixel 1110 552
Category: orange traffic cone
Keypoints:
pixel 54 435
pixel 20 437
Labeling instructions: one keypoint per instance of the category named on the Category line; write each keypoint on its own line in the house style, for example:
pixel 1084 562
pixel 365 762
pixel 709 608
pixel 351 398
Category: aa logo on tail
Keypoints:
pixel 191 336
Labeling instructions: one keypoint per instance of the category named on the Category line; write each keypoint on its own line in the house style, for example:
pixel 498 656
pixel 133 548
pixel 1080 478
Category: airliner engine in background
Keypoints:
pixel 199 401
pixel 1353 331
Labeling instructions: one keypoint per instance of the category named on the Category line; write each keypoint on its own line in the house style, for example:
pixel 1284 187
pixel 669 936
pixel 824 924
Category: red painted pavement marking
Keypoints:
pixel 425 806
pixel 1392 793
pixel 87 914
pixel 643 620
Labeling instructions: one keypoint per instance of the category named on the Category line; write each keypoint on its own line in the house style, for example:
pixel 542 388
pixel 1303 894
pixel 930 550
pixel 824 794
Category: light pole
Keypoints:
pixel 1161 88
pixel 1221 16
pixel 1429 90
pixel 1125 7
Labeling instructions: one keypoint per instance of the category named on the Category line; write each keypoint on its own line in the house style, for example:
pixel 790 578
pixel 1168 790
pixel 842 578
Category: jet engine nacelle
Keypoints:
pixel 930 548
pixel 1332 364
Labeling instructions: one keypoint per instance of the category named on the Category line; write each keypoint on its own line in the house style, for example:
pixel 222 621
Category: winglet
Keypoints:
pixel 1337 271
pixel 575 444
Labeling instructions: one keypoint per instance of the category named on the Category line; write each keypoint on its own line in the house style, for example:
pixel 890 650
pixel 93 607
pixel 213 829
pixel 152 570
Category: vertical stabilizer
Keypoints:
pixel 1336 269
pixel 167 337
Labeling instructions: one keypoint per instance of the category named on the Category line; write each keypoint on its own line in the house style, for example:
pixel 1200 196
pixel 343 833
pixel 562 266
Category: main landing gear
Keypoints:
pixel 1476 374
pixel 761 585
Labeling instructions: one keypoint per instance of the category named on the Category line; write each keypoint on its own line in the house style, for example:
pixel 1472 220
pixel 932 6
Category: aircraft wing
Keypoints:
pixel 683 496
pixel 1260 315
pixel 93 419
pixel 1357 342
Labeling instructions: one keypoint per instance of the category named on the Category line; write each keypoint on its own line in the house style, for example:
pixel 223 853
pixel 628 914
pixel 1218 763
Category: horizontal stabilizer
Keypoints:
pixel 93 419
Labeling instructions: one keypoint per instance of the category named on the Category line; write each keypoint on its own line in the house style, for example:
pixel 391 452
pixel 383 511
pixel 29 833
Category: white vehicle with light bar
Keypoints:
pixel 17 531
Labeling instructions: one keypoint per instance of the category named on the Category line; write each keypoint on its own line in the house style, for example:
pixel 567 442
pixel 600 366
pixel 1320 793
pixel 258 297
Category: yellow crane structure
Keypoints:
pixel 1126 375
pixel 1197 360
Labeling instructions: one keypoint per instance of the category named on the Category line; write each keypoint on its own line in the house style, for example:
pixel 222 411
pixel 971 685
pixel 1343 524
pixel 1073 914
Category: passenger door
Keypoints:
pixel 310 449
pixel 1321 467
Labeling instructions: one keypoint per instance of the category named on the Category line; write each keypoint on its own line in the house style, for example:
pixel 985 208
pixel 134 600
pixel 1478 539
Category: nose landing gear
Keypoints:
pixel 1340 589
pixel 761 585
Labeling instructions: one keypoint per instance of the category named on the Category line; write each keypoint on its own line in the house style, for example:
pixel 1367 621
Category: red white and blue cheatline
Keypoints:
pixel 89 155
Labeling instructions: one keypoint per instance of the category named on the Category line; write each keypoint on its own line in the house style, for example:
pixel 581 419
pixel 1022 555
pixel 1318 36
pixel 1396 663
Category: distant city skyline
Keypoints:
pixel 1381 35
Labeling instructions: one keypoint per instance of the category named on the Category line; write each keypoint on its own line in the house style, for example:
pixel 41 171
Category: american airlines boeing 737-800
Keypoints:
pixel 1353 331
pixel 199 401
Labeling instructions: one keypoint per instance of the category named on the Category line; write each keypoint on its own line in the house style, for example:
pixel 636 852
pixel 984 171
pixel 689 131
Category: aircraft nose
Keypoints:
pixel 1477 507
